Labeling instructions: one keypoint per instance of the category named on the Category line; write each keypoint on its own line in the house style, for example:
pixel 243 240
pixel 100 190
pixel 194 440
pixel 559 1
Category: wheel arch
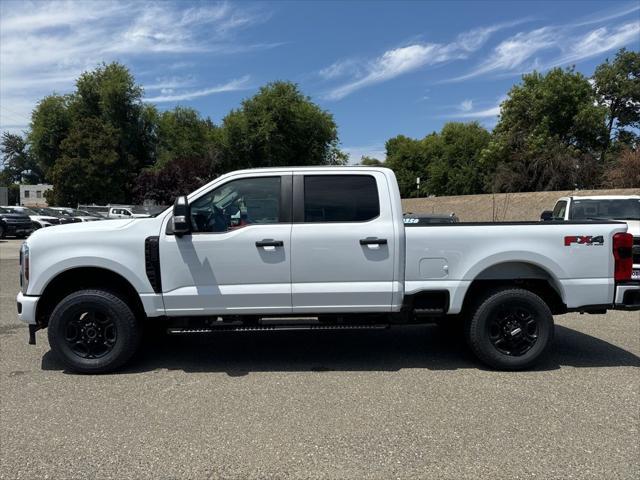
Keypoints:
pixel 80 278
pixel 518 274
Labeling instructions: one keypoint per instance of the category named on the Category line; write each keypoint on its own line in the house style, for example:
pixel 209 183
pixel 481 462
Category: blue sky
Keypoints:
pixel 382 68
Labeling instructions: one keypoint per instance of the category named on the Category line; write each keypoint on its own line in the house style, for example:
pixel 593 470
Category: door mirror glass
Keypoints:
pixel 181 216
pixel 546 216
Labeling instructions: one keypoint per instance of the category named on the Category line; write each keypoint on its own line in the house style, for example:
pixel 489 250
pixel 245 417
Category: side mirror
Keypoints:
pixel 546 216
pixel 181 216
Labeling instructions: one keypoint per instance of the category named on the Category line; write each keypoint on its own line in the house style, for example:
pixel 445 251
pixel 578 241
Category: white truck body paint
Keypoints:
pixel 322 267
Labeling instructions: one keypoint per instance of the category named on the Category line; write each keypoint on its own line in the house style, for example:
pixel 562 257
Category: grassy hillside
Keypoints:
pixel 501 206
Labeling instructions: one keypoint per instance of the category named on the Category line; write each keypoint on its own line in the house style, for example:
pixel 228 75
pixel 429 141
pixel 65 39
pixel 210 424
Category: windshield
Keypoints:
pixel 49 212
pixel 618 209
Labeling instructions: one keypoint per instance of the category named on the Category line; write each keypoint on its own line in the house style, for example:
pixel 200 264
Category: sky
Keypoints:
pixel 381 68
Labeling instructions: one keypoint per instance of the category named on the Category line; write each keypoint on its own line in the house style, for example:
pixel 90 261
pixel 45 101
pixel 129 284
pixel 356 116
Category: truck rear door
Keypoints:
pixel 342 242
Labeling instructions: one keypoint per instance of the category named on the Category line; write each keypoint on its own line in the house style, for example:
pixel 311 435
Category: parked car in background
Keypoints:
pixel 37 219
pixel 128 212
pixel 62 218
pixel 80 214
pixel 410 218
pixel 14 224
pixel 602 207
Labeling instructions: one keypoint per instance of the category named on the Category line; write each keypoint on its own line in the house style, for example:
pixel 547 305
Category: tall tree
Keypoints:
pixel 554 112
pixel 183 133
pixel 455 167
pixel 617 86
pixel 408 159
pixel 18 163
pixel 279 126
pixel 102 131
pixel 89 169
pixel 50 122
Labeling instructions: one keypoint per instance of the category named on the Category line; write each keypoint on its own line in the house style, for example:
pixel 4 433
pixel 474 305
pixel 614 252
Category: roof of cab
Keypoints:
pixel 605 197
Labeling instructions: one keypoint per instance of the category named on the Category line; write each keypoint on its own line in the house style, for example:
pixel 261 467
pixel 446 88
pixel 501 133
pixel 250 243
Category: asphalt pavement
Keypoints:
pixel 408 402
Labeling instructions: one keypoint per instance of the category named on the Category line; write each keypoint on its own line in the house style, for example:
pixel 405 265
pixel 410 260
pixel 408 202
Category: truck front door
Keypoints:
pixel 237 258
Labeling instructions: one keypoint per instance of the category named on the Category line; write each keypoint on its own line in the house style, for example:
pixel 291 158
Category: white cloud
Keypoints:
pixel 391 64
pixel 402 60
pixel 466 105
pixel 44 46
pixel 486 113
pixel 601 17
pixel 513 52
pixel 169 96
pixel 339 69
pixel 598 41
pixel 466 110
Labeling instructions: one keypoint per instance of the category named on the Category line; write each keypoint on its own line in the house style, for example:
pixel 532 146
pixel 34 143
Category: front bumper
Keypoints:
pixel 27 308
pixel 627 296
pixel 18 229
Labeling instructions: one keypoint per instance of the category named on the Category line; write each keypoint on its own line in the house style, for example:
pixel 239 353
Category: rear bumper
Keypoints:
pixel 27 308
pixel 627 296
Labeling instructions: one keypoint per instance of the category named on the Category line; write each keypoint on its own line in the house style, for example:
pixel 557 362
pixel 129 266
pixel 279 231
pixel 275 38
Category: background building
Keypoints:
pixel 33 195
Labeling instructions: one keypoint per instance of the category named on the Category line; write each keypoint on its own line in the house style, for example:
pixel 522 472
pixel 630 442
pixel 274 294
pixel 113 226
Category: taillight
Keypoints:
pixel 622 253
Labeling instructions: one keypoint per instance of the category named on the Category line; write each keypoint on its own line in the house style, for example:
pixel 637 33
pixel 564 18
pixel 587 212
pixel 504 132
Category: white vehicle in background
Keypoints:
pixel 38 220
pixel 127 212
pixel 602 207
pixel 80 214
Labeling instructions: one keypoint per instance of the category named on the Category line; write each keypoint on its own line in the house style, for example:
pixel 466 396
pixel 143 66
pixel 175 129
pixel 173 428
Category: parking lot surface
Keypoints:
pixel 401 403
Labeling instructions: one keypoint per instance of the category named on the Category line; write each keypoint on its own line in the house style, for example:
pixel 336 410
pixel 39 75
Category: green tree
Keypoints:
pixel 50 122
pixel 18 164
pixel 548 123
pixel 617 86
pixel 89 169
pixel 121 137
pixel 454 166
pixel 448 163
pixel 183 133
pixel 408 159
pixel 279 126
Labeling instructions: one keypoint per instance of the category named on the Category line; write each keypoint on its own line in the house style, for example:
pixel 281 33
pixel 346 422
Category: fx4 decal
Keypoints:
pixel 583 240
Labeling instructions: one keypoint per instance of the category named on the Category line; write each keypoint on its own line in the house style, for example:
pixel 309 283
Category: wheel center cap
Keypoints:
pixel 515 331
pixel 91 332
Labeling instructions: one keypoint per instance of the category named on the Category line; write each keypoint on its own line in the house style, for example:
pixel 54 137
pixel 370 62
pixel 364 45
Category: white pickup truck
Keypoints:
pixel 314 248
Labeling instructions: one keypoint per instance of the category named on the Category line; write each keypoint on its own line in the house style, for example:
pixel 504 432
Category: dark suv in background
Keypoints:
pixel 15 224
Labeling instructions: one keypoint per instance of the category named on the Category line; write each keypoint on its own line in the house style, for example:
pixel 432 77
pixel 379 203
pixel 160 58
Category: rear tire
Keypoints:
pixel 2 231
pixel 510 329
pixel 93 331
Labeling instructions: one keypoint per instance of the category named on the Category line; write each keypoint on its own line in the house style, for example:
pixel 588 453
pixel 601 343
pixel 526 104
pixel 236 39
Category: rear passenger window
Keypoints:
pixel 340 198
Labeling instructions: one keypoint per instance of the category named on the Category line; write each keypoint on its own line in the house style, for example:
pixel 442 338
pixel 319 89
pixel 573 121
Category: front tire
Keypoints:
pixel 93 331
pixel 511 329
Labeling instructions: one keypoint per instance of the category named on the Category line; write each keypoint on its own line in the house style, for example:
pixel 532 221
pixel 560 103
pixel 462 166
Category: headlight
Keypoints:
pixel 24 267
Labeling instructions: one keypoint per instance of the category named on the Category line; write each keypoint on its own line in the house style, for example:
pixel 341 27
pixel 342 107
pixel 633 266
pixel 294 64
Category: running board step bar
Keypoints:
pixel 270 328
pixel 428 312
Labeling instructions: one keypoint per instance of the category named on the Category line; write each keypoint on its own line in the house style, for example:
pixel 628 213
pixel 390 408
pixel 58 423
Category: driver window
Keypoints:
pixel 236 204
